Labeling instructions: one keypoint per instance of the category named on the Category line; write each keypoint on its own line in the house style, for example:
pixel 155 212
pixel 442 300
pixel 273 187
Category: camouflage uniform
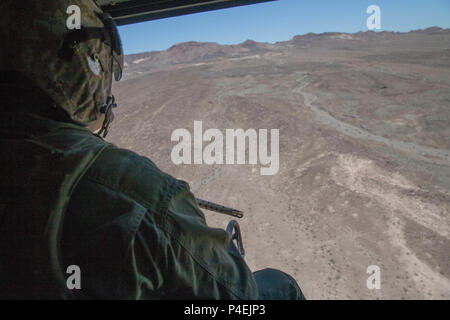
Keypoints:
pixel 70 198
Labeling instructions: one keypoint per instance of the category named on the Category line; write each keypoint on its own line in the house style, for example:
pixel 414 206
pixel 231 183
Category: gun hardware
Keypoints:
pixel 211 206
pixel 235 231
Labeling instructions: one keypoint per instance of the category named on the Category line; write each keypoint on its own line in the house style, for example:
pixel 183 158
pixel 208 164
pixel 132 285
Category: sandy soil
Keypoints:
pixel 364 175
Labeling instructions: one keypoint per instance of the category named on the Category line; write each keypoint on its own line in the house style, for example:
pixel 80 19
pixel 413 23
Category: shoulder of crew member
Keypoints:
pixel 136 176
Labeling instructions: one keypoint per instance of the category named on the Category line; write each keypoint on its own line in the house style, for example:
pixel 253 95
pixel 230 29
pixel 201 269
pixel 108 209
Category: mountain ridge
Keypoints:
pixel 249 43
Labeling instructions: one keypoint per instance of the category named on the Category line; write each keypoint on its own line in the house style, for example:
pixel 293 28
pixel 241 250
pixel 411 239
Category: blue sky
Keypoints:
pixel 281 20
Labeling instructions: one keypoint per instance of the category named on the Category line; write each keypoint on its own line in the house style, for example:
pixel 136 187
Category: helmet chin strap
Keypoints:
pixel 109 115
pixel 108 106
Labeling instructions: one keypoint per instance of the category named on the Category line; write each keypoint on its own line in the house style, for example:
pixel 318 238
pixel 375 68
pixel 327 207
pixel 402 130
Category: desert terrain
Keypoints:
pixel 364 148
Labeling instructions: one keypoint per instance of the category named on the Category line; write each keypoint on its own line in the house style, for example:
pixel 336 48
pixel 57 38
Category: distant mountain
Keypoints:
pixel 432 30
pixel 193 52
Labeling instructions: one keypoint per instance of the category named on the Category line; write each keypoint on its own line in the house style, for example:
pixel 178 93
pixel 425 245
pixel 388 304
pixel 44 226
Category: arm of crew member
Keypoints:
pixel 179 257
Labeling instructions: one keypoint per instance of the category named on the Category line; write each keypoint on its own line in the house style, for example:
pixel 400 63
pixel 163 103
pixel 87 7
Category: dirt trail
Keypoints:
pixel 419 152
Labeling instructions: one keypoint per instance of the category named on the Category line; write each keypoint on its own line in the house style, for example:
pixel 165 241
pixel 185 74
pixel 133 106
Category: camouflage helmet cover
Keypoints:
pixel 35 33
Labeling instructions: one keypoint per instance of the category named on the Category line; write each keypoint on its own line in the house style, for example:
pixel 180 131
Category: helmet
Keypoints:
pixel 74 67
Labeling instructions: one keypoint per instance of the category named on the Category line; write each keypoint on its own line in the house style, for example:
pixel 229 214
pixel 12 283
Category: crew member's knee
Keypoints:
pixel 276 285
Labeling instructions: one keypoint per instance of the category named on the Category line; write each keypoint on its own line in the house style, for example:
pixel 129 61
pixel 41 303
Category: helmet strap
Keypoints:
pixel 108 105
pixel 109 115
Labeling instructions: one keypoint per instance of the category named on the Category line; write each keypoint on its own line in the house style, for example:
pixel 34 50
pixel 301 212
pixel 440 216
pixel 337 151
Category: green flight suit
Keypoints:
pixel 134 231
pixel 70 198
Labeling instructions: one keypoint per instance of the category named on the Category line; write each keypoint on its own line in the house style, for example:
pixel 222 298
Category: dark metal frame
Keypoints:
pixel 135 11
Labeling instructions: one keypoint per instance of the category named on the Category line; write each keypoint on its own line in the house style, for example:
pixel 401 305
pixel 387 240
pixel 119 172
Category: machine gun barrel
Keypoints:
pixel 211 206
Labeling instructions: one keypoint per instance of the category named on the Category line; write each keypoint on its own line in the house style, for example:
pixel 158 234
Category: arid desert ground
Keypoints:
pixel 364 149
